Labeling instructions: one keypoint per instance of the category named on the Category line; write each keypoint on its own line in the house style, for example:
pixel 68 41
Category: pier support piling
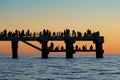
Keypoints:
pixel 99 47
pixel 99 50
pixel 14 49
pixel 69 49
pixel 45 51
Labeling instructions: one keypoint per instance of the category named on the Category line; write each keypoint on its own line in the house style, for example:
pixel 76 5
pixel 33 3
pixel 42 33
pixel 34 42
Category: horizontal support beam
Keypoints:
pixel 74 50
pixel 50 38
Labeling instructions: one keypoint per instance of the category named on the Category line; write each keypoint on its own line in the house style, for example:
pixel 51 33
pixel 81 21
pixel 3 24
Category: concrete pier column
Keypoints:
pixel 69 48
pixel 45 51
pixel 14 49
pixel 99 50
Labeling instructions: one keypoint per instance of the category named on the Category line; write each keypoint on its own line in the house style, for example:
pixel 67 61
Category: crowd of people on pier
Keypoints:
pixel 57 48
pixel 46 32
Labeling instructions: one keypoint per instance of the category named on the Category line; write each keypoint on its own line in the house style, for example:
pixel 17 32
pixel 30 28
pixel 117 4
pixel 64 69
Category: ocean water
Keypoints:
pixel 57 67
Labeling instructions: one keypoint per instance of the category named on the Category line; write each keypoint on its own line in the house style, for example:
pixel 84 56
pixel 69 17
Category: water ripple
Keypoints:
pixel 82 67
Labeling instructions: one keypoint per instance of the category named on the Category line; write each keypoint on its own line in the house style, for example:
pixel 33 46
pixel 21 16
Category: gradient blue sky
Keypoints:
pixel 72 11
pixel 102 15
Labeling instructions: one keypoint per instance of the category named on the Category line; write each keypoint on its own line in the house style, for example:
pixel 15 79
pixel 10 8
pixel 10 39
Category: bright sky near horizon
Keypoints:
pixel 57 15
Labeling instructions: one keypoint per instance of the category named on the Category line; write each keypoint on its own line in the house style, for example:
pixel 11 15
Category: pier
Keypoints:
pixel 43 37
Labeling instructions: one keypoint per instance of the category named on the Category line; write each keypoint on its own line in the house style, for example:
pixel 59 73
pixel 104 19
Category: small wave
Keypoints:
pixel 109 73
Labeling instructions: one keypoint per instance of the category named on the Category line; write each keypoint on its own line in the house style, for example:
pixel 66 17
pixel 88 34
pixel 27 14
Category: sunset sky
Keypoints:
pixel 57 15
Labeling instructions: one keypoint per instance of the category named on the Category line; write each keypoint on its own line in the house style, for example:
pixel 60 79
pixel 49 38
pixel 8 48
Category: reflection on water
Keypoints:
pixel 56 67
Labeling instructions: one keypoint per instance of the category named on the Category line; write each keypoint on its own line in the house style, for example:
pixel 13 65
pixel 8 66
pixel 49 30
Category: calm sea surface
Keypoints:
pixel 56 67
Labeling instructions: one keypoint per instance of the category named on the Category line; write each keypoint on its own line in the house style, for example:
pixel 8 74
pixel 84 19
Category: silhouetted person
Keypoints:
pixel 96 34
pixel 34 34
pixel 13 34
pixel 22 33
pixel 28 33
pixel 54 33
pixel 19 33
pixel 56 48
pixel 59 34
pixel 85 34
pixel 5 32
pixel 79 34
pixel 84 48
pixel 49 33
pixel 51 46
pixel 62 48
pixel 76 47
pixel 62 34
pixel 79 48
pixel 44 32
pixel 9 34
pixel 88 32
pixel 91 47
pixel 73 33
pixel 2 34
pixel 68 32
pixel 40 33
pixel 16 32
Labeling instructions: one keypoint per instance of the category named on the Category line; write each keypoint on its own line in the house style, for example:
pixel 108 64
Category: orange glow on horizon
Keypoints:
pixel 5 48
